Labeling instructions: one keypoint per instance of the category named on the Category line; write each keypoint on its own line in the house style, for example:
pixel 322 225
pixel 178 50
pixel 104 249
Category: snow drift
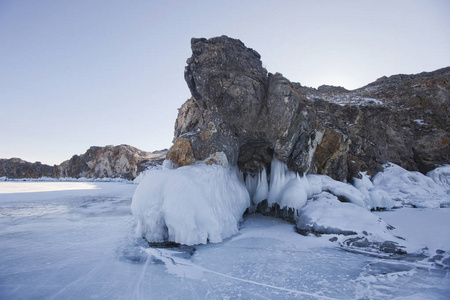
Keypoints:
pixel 189 205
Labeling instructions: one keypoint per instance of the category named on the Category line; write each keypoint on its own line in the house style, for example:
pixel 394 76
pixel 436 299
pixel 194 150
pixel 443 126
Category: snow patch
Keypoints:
pixel 347 99
pixel 420 122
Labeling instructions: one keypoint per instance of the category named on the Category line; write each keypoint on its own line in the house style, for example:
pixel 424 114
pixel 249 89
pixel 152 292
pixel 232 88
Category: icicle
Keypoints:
pixel 262 189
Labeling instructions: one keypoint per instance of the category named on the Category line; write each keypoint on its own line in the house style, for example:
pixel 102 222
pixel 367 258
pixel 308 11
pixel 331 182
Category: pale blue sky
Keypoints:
pixel 74 74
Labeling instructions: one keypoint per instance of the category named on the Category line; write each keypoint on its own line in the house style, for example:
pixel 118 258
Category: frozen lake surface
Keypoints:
pixel 75 240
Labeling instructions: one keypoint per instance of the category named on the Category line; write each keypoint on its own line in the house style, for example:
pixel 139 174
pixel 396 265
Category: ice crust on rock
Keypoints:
pixel 204 203
pixel 412 188
pixel 441 176
pixel 189 205
pixel 325 214
pixel 376 198
pixel 290 190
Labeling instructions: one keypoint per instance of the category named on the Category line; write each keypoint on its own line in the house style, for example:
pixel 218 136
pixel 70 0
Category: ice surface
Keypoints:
pixel 189 205
pixel 65 179
pixel 411 188
pixel 422 228
pixel 81 246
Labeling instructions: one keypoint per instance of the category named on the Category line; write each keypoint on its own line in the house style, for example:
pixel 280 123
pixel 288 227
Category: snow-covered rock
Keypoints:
pixel 325 214
pixel 441 176
pixel 375 198
pixel 189 205
pixel 411 188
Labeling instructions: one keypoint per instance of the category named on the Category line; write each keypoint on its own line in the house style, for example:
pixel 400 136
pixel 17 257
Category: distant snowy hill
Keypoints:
pixel 121 161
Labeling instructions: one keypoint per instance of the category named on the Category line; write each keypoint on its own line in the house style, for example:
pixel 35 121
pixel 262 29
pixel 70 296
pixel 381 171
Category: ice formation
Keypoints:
pixel 257 186
pixel 441 176
pixel 200 203
pixel 287 188
pixel 376 198
pixel 325 214
pixel 189 205
pixel 411 188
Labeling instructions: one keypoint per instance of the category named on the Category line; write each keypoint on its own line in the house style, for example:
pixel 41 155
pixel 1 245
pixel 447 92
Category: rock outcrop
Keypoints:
pixel 121 161
pixel 18 168
pixel 251 116
pixel 110 161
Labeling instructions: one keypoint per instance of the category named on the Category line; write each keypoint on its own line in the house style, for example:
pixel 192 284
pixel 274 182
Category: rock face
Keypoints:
pixel 121 161
pixel 110 161
pixel 250 115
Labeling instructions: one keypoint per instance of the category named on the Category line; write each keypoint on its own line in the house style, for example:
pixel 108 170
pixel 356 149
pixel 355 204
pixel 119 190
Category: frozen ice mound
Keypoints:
pixel 375 197
pixel 189 205
pixel 325 214
pixel 441 176
pixel 412 188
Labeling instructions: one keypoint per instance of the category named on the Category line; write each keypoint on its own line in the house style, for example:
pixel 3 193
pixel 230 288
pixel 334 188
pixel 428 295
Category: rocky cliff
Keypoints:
pixel 121 161
pixel 239 109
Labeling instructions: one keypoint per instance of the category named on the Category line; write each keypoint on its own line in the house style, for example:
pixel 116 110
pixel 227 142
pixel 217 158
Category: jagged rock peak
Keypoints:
pixel 250 115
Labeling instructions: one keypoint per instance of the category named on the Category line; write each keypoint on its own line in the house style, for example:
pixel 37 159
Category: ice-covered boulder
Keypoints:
pixel 441 176
pixel 375 197
pixel 189 205
pixel 411 188
pixel 325 214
